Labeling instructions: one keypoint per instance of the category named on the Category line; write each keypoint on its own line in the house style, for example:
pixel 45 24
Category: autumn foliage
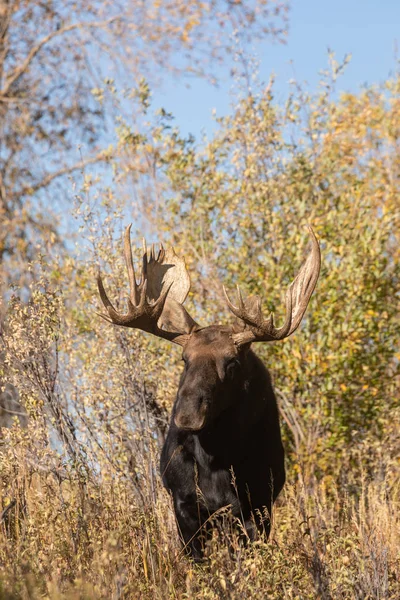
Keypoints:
pixel 84 514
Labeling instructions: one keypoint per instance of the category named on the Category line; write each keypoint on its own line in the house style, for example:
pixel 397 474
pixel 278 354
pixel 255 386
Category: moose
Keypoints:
pixel 223 449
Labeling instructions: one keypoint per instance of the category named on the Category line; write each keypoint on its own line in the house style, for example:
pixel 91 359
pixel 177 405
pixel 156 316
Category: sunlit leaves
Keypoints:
pixel 241 202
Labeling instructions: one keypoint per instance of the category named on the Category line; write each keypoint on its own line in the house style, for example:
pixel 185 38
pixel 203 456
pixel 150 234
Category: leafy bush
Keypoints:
pixel 83 511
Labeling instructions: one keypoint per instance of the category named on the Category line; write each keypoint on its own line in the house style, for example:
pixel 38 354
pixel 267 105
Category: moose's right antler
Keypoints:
pixel 155 303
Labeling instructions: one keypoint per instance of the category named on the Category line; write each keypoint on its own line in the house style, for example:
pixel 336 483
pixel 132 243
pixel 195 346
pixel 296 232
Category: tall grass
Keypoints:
pixel 69 535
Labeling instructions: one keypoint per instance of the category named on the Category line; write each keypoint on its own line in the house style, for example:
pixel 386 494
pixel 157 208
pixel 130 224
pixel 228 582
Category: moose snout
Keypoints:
pixel 191 411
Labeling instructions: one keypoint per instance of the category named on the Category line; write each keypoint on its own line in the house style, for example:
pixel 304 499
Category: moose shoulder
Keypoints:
pixel 223 448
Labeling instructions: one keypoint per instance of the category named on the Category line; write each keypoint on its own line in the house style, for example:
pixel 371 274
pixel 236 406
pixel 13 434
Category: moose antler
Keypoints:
pixel 258 329
pixel 155 303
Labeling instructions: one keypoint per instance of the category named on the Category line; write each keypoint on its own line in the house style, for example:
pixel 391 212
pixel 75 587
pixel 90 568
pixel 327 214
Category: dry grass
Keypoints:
pixel 83 514
pixel 69 535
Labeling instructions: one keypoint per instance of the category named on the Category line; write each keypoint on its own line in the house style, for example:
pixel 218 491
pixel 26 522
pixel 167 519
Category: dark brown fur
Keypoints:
pixel 224 422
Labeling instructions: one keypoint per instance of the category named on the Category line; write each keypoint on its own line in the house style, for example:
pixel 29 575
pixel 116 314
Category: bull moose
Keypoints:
pixel 223 447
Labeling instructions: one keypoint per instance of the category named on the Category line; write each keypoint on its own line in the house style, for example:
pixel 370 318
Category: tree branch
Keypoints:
pixel 7 509
pixel 31 189
pixel 36 49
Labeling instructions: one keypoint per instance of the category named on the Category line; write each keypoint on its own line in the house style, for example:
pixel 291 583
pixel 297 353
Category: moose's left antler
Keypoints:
pixel 258 329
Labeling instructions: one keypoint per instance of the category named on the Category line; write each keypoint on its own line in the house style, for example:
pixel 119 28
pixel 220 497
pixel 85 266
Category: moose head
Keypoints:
pixel 213 355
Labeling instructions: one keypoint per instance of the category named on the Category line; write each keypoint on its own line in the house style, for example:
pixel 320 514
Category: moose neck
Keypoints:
pixel 232 426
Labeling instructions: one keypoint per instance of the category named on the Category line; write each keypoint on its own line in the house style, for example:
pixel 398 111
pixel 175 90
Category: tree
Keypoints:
pixel 59 62
pixel 239 205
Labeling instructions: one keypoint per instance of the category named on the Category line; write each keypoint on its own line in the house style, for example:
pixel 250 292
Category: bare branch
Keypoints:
pixel 7 509
pixel 24 66
pixel 31 189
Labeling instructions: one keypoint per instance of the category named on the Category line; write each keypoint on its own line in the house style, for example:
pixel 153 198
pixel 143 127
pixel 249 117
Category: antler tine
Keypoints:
pixel 105 317
pixel 282 332
pixel 239 312
pixel 231 307
pixel 161 254
pixel 129 264
pixel 112 313
pixel 143 273
pixel 104 298
pixel 142 300
pixel 240 298
pixel 258 329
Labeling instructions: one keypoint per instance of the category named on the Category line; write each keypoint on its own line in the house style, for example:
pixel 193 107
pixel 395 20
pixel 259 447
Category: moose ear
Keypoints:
pixel 175 318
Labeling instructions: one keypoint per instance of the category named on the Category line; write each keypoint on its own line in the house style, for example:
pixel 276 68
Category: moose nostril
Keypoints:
pixel 191 410
pixel 201 403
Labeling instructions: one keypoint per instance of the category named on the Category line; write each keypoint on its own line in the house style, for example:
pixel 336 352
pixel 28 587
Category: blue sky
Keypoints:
pixel 367 29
